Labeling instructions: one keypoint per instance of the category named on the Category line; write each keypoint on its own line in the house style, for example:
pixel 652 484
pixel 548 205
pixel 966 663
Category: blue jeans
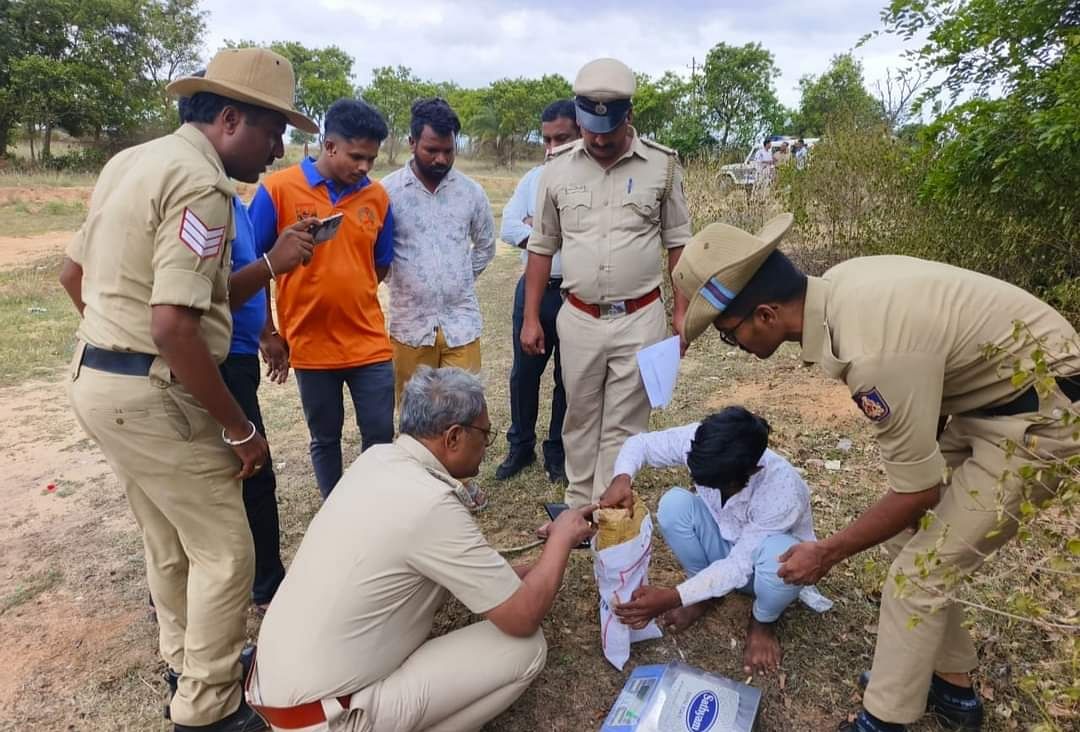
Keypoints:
pixel 693 535
pixel 372 391
pixel 525 376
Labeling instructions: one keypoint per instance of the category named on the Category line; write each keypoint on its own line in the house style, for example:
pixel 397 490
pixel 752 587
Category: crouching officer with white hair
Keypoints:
pixel 345 644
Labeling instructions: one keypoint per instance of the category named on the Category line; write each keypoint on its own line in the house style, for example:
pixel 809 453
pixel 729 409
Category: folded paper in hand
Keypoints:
pixel 659 367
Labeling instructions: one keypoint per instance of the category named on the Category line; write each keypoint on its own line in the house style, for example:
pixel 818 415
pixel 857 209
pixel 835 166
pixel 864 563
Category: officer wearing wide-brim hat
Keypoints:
pixel 908 338
pixel 149 272
pixel 611 202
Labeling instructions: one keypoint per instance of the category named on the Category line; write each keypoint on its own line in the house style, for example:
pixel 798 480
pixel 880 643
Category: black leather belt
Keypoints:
pixel 1028 401
pixel 555 283
pixel 126 363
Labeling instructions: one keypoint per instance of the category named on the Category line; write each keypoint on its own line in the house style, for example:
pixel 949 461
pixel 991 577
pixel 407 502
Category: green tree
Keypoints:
pixel 670 110
pixel 1008 158
pixel 839 92
pixel 323 75
pixel 393 89
pixel 510 110
pixel 738 91
pixel 79 65
pixel 173 33
pixel 98 66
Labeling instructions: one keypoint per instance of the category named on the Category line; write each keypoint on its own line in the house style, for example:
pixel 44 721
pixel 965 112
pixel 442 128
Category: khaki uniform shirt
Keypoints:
pixel 907 336
pixel 609 224
pixel 378 560
pixel 158 233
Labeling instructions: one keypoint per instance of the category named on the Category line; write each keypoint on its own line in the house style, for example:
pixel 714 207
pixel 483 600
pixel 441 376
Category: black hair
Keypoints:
pixel 436 114
pixel 204 107
pixel 727 448
pixel 776 281
pixel 183 104
pixel 558 109
pixel 766 141
pixel 353 119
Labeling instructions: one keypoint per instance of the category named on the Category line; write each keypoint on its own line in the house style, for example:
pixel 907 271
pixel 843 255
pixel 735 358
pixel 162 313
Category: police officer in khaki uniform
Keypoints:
pixel 611 202
pixel 149 271
pixel 346 645
pixel 907 336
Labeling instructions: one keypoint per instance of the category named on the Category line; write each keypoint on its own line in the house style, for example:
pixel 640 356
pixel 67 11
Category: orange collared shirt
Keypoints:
pixel 329 312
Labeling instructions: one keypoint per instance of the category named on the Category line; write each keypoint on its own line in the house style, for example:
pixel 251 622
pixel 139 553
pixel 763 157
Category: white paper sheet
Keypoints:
pixel 659 367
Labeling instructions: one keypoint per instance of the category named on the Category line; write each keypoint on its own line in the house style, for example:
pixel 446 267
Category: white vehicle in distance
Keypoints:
pixel 744 174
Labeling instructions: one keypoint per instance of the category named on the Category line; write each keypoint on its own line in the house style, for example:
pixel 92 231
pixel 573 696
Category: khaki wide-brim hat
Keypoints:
pixel 256 76
pixel 717 264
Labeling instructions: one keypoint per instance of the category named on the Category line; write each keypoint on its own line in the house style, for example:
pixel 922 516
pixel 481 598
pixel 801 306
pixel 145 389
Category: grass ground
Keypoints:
pixel 79 655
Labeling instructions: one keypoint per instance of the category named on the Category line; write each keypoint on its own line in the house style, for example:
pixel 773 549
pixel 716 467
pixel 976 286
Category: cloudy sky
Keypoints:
pixel 474 42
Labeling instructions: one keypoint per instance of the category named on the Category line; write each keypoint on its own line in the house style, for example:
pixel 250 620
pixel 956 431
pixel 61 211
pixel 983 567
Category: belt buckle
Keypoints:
pixel 610 311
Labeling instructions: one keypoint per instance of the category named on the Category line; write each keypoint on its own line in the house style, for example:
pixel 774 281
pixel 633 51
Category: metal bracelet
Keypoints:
pixel 234 443
pixel 269 266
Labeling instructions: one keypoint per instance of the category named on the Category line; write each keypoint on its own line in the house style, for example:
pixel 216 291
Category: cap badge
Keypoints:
pixel 601 108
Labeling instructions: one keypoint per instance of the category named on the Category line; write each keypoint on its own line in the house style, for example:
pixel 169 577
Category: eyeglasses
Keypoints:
pixel 728 336
pixel 490 435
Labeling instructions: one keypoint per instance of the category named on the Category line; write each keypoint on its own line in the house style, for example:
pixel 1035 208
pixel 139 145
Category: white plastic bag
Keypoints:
pixel 620 570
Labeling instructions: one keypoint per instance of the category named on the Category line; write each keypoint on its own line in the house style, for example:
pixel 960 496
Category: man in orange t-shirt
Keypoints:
pixel 328 312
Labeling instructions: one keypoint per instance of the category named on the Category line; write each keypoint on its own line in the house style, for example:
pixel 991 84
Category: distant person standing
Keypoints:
pixel 328 312
pixel 444 237
pixel 763 163
pixel 802 154
pixel 558 126
pixel 782 156
pixel 612 203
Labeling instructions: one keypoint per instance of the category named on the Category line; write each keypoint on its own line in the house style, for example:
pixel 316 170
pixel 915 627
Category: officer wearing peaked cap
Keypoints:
pixel 149 273
pixel 610 203
pixel 907 337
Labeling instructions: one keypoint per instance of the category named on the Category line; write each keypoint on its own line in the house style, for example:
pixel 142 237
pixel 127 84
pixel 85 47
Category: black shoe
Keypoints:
pixel 954 707
pixel 514 463
pixel 949 704
pixel 172 678
pixel 244 719
pixel 556 473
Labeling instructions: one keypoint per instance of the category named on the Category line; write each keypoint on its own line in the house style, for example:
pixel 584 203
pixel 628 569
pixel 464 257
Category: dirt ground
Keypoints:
pixel 80 654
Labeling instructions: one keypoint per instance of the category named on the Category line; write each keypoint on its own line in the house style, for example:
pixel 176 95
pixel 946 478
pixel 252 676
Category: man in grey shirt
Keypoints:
pixel 444 237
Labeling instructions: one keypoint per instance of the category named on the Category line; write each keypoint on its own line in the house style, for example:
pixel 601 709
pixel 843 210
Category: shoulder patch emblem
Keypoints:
pixel 872 404
pixel 198 237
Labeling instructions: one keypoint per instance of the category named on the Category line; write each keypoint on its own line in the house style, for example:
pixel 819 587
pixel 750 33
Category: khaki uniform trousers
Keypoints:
pixel 906 657
pixel 606 402
pixel 167 453
pixel 432 692
pixel 408 358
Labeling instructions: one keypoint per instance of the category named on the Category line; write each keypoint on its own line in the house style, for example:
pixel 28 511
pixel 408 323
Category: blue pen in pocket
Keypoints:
pixel 630 185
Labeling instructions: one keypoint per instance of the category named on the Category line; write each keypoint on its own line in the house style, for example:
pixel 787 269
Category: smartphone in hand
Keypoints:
pixel 326 228
pixel 553 511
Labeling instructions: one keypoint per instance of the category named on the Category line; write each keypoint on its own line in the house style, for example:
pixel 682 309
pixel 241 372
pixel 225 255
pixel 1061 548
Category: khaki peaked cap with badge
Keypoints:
pixel 255 76
pixel 602 92
pixel 716 265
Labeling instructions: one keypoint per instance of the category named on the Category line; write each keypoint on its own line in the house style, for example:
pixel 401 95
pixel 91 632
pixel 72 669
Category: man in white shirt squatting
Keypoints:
pixel 750 506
